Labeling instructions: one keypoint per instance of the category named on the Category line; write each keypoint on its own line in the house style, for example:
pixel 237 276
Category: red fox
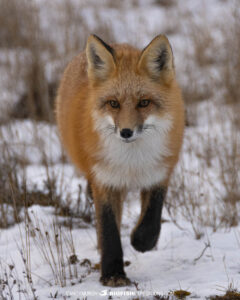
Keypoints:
pixel 121 119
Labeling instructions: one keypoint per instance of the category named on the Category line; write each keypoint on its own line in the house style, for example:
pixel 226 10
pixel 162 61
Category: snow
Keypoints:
pixel 174 264
pixel 34 142
pixel 196 251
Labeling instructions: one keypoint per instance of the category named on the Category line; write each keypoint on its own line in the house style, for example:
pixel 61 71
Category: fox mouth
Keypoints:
pixel 128 141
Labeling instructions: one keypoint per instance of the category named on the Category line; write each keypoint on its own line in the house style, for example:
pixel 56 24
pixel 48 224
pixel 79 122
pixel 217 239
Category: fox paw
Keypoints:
pixel 115 281
pixel 143 239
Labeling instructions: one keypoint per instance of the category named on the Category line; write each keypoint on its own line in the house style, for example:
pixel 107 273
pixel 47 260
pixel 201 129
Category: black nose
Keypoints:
pixel 126 133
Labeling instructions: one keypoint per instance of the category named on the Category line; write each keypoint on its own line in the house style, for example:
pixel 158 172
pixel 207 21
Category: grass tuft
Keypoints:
pixel 229 295
pixel 181 294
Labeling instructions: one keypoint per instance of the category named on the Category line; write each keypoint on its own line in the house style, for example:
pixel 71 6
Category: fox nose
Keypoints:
pixel 126 133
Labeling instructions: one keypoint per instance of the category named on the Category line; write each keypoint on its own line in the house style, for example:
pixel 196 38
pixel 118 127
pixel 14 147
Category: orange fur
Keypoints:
pixel 97 76
pixel 77 96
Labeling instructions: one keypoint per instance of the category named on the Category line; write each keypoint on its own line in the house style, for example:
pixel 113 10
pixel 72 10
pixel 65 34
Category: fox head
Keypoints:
pixel 132 90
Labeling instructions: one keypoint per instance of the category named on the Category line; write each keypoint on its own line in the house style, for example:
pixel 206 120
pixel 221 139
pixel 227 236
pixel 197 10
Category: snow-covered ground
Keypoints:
pixel 199 249
pixel 202 267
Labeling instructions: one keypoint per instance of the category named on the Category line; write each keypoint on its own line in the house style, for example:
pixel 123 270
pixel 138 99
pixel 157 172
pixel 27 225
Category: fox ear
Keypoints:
pixel 100 57
pixel 157 60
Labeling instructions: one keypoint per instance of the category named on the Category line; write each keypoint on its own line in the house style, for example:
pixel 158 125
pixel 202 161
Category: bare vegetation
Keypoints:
pixel 23 31
pixel 212 73
pixel 39 50
pixel 230 294
pixel 34 58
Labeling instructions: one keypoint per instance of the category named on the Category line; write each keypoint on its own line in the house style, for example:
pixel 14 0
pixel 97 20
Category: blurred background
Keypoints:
pixel 39 37
pixel 37 40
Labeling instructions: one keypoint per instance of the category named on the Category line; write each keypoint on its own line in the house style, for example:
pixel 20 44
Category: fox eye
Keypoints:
pixel 114 103
pixel 143 103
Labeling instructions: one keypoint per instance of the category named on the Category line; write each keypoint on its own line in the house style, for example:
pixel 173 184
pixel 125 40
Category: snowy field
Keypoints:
pixel 48 247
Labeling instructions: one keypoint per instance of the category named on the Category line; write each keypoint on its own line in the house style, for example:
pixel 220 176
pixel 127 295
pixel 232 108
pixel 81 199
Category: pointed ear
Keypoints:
pixel 156 60
pixel 100 57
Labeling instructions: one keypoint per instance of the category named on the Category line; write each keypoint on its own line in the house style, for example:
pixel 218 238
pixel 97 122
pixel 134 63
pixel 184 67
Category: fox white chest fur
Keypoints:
pixel 138 164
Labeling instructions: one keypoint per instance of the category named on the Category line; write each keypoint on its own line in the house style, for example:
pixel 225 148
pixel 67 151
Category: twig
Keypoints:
pixel 207 245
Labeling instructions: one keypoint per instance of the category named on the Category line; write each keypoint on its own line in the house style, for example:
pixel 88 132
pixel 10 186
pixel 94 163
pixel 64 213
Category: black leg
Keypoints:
pixel 112 255
pixel 146 233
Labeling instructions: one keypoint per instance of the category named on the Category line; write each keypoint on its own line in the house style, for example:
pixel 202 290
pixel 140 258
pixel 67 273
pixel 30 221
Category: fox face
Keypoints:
pixel 132 110
pixel 129 112
pixel 130 96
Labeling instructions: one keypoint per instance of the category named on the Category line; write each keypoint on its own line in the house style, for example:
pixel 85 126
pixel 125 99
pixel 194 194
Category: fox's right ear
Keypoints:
pixel 156 60
pixel 100 57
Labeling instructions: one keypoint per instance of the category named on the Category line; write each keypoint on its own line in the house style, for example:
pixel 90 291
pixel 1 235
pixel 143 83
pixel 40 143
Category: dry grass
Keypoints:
pixel 34 61
pixel 231 293
pixel 211 74
pixel 181 294
pixel 9 280
pixel 16 192
pixel 22 31
pixel 36 50
pixel 15 196
pixel 16 31
pixel 231 58
pixel 208 194
pixel 165 3
pixel 212 63
pixel 36 101
pixel 55 247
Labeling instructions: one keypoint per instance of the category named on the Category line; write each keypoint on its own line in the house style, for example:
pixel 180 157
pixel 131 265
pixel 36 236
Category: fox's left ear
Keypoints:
pixel 157 60
pixel 100 57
